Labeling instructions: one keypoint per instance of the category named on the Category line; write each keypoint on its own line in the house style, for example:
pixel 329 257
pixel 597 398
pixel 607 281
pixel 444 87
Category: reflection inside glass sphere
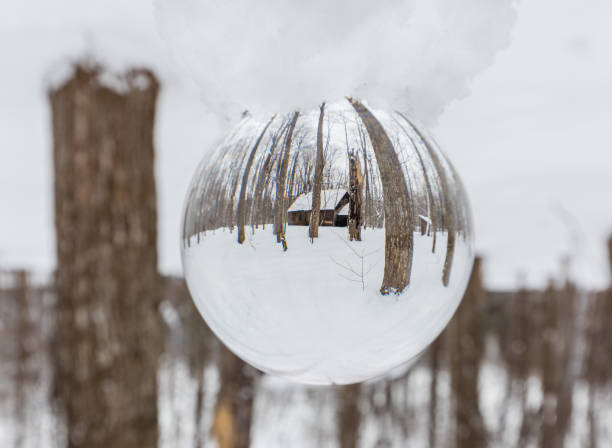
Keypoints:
pixel 328 246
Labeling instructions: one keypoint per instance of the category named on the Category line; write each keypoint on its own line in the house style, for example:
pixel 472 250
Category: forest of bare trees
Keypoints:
pixel 108 352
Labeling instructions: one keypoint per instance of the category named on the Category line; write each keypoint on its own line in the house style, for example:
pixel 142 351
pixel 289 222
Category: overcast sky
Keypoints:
pixel 531 135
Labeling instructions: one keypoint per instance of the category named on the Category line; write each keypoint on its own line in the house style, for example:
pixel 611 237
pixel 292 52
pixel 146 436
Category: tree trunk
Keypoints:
pixel 243 187
pixel 234 409
pixel 431 206
pixel 315 215
pixel 24 350
pixel 448 213
pixel 434 370
pixel 465 349
pixel 263 177
pixel 349 415
pixel 355 198
pixel 399 222
pixel 281 186
pixel 108 333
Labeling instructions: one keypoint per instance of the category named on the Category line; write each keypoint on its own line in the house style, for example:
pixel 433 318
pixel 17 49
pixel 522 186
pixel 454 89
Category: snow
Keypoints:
pixel 314 314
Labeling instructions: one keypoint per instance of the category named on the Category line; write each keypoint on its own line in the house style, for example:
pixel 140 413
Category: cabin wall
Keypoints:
pixel 328 218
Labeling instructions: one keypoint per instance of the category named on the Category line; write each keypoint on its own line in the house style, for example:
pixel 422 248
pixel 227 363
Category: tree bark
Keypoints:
pixel 24 340
pixel 399 222
pixel 108 333
pixel 315 215
pixel 466 350
pixel 349 415
pixel 234 408
pixel 355 198
pixel 434 370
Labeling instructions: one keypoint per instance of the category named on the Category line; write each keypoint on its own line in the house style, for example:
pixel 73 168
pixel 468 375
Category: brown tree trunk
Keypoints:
pixel 315 215
pixel 24 340
pixel 231 425
pixel 434 370
pixel 557 381
pixel 243 187
pixel 399 221
pixel 349 415
pixel 465 349
pixel 108 333
pixel 355 198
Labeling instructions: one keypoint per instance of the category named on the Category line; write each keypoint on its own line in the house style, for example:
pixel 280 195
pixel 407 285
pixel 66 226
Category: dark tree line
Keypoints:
pixel 530 331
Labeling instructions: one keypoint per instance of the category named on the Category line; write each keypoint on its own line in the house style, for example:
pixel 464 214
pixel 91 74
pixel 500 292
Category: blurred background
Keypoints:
pixel 100 344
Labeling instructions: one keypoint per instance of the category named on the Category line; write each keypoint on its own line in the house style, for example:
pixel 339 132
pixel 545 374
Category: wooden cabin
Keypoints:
pixel 334 209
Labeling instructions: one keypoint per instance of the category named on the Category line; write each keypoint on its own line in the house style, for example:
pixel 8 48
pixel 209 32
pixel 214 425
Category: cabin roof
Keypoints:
pixel 329 199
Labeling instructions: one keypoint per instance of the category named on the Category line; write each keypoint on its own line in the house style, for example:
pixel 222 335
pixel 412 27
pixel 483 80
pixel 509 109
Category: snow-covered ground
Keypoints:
pixel 315 313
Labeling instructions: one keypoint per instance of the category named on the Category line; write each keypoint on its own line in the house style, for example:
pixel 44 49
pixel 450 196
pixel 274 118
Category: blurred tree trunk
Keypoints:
pixel 349 415
pixel 465 349
pixel 597 359
pixel 522 349
pixel 24 346
pixel 234 409
pixel 108 333
pixel 434 353
pixel 551 368
pixel 197 343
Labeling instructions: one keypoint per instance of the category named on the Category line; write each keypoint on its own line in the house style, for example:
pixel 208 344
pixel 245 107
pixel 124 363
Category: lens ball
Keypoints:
pixel 327 246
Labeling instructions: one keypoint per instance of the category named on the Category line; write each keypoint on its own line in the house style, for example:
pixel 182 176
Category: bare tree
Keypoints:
pixel 259 210
pixel 313 230
pixel 399 222
pixel 243 187
pixel 280 203
pixel 355 198
pixel 448 213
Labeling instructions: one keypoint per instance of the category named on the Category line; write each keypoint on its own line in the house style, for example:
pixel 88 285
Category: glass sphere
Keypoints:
pixel 330 246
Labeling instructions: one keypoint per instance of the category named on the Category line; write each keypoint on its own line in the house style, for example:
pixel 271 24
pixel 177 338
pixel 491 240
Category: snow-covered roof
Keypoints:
pixel 329 200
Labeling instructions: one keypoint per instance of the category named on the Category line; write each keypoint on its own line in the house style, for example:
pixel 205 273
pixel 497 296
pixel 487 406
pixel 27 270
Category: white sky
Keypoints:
pixel 532 140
